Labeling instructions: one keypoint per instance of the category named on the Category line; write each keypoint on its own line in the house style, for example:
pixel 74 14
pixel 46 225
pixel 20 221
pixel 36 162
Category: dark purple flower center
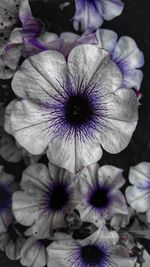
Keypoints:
pixel 58 197
pixel 78 110
pixel 99 198
pixel 92 255
pixel 5 198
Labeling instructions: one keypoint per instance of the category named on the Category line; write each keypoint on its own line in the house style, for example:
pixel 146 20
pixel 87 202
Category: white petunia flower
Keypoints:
pixel 48 194
pixel 97 250
pixel 91 13
pixel 7 187
pixel 72 108
pixel 99 189
pixel 138 195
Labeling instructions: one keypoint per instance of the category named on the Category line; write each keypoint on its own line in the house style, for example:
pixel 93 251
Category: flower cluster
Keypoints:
pixel 70 97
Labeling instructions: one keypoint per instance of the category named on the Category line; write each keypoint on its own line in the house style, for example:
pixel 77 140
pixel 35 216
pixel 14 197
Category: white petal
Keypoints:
pixel 128 54
pixel 25 13
pixel 119 221
pixel 59 253
pixel 26 208
pixel 106 39
pixel 120 121
pixel 33 254
pixel 87 16
pixel 133 78
pixel 61 153
pixel 29 126
pixel 138 198
pixel 139 175
pixel 90 65
pixel 56 172
pixel 112 9
pixel 119 204
pixel 49 68
pixel 35 178
pixel 44 226
pixel 48 37
pixel 12 55
pixel 8 112
pixel 69 37
pixel 72 154
pixel 111 175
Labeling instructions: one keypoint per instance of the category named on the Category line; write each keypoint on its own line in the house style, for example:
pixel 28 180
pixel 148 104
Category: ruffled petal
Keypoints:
pixel 72 154
pixel 119 221
pixel 111 175
pixel 112 8
pixel 106 39
pixel 119 204
pixel 8 111
pixel 29 126
pixel 26 208
pixel 49 68
pixel 87 15
pixel 138 198
pixel 43 228
pixel 133 79
pixel 119 122
pixel 89 65
pixel 33 253
pixel 127 54
pixel 139 175
pixel 35 178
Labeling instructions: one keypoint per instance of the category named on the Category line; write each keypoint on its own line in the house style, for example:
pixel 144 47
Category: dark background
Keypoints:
pixel 134 22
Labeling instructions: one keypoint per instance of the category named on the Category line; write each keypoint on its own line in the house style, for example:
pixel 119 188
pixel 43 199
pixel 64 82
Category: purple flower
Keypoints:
pixel 91 13
pixel 72 107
